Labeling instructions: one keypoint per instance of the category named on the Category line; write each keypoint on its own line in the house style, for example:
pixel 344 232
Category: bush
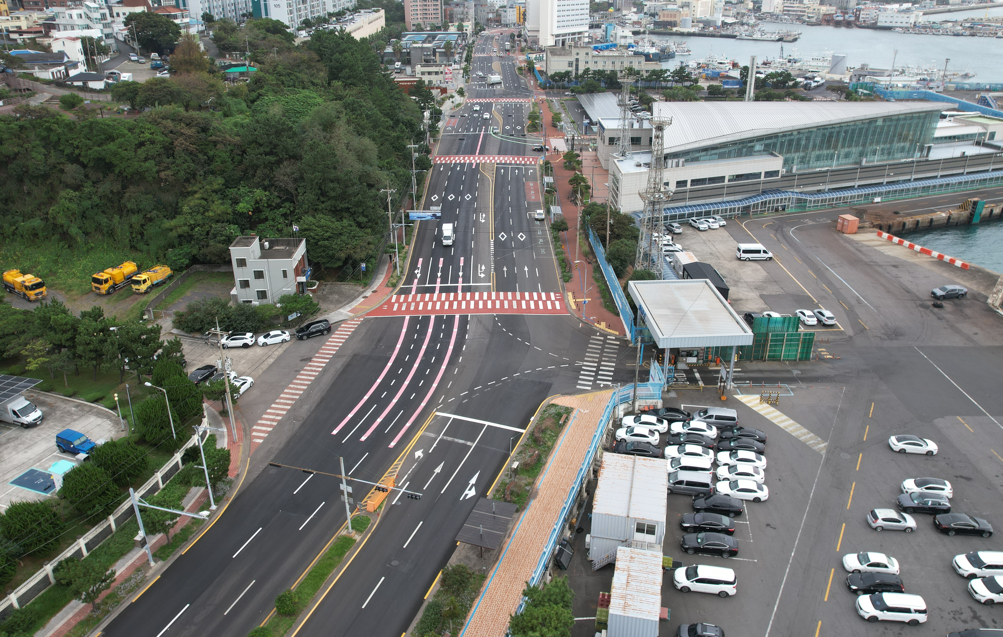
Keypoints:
pixel 260 631
pixel 154 423
pixel 559 226
pixel 70 101
pixel 31 526
pixel 456 579
pixel 165 369
pixel 90 489
pixel 8 560
pixel 201 314
pixel 430 619
pixel 20 621
pixel 547 611
pixel 122 459
pixel 301 303
pixel 621 254
pixel 287 603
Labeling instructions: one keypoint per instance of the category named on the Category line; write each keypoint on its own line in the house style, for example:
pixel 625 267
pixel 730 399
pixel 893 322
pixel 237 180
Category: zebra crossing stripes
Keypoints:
pixel 608 363
pixel 268 420
pixel 785 423
pixel 598 362
pixel 485 159
pixel 471 303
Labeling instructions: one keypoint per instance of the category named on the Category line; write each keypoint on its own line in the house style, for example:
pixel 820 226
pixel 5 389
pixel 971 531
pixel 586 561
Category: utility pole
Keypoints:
pixel 390 218
pixel 226 376
pixel 205 467
pixel 344 489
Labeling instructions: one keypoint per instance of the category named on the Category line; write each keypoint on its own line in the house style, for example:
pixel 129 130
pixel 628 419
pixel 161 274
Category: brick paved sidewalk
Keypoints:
pixel 503 589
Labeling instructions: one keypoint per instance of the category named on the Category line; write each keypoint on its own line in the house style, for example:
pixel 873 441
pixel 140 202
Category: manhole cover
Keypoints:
pixel 394 563
pixel 844 456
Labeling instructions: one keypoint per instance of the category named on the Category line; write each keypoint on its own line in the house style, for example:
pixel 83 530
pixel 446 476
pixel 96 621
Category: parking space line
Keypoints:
pixel 848 502
pixel 859 458
pixel 840 542
pixel 843 304
pixel 862 323
pixel 957 386
pixel 996 454
pixel 817 630
pixel 966 425
pixel 831 574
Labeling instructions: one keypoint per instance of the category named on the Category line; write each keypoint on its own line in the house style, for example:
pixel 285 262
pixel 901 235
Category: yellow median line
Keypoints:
pixel 866 429
pixel 843 304
pixel 871 415
pixel 865 326
pixel 524 431
pixel 831 573
pixel 852 487
pixel 819 628
pixel 996 454
pixel 859 458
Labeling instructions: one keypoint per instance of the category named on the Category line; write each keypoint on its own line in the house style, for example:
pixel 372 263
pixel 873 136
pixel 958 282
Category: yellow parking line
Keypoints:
pixel 859 458
pixel 774 236
pixel 843 304
pixel 827 288
pixel 767 223
pixel 997 455
pixel 866 429
pixel 966 425
pixel 819 628
pixel 785 248
pixel 862 323
pixel 871 415
pixel 831 573
pixel 840 542
pixel 812 273
pixel 848 502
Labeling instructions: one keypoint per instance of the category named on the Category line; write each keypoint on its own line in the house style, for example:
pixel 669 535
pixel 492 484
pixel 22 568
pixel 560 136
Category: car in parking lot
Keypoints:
pixel 711 222
pixel 928 485
pixel 274 337
pixel 978 564
pixel 720 220
pixel 741 457
pixel 660 425
pixel 924 503
pixel 870 562
pixel 670 248
pixel 675 451
pixel 825 317
pixel 962 524
pixel 637 434
pixel 218 376
pixel 716 580
pixel 133 57
pixel 741 472
pixel 718 503
pixel 699 630
pixel 869 583
pixel 243 383
pixel 949 292
pixel 907 443
pixel 704 521
pixel 986 590
pixel 693 426
pixel 73 442
pixel 202 374
pixel 674 228
pixel 894 607
pixel 163 73
pixel 673 414
pixel 690 439
pixel 709 544
pixel 141 60
pixel 744 444
pixel 744 490
pixel 637 449
pixel 807 317
pixel 699 224
pixel 237 339
pixel 689 463
pixel 881 519
pixel 727 433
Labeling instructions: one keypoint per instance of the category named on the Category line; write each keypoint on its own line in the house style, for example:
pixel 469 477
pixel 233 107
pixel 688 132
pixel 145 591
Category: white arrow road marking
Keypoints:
pixel 471 488
pixel 435 472
pixel 418 454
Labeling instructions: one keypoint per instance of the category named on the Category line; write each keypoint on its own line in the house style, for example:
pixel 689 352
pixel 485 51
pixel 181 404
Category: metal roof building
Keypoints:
pixel 628 508
pixel 635 600
pixel 689 313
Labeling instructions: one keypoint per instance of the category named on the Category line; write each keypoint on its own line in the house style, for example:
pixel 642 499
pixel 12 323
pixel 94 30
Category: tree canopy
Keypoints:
pixel 154 31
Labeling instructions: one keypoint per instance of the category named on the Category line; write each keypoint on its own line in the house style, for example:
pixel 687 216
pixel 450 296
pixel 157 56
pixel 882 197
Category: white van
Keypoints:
pixel 753 252
pixel 892 607
pixel 447 234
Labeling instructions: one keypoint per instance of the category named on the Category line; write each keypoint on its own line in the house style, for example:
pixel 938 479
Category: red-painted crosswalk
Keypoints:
pixel 471 303
pixel 484 159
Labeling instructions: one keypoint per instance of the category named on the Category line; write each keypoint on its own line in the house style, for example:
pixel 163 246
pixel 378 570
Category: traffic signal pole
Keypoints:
pixel 344 489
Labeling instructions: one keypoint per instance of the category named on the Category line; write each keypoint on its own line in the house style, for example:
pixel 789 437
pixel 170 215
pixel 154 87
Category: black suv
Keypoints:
pixel 869 583
pixel 202 374
pixel 313 328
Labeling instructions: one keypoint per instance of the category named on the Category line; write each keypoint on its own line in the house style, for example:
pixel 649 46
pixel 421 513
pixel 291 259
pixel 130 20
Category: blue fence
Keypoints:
pixel 898 94
pixel 626 315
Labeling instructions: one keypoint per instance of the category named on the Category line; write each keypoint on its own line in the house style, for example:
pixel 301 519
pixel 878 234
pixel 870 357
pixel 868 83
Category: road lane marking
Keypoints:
pixel 831 573
pixel 350 471
pixel 997 455
pixel 469 451
pixel 862 323
pixel 389 364
pixel 958 386
pixel 358 424
pixel 840 542
pixel 871 414
pixel 479 422
pixel 374 591
pixel 400 392
pixel 852 487
pixel 819 628
pixel 827 288
pixel 859 458
pixel 168 626
pixel 966 425
pixel 844 305
pixel 311 515
pixel 866 429
pixel 244 545
pixel 158 577
pixel 411 537
pixel 238 597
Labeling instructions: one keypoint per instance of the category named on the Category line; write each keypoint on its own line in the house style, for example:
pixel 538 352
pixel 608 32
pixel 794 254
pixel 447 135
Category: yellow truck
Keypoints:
pixel 114 278
pixel 27 286
pixel 157 275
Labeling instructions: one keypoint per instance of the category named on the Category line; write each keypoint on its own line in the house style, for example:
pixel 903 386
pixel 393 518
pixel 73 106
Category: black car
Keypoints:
pixel 689 438
pixel 699 630
pixel 924 503
pixel 313 328
pixel 741 444
pixel 715 522
pixel 637 449
pixel 962 524
pixel 868 583
pixel 750 317
pixel 727 433
pixel 722 504
pixel 202 374
pixel 709 544
pixel 673 414
pixel 539 149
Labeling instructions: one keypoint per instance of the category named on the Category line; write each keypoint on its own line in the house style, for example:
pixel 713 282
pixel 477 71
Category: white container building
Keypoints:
pixel 635 599
pixel 628 507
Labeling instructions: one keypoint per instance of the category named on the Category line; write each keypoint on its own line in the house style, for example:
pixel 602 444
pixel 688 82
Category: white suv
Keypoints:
pixel 979 564
pixel 892 607
pixel 706 579
pixel 238 339
pixel 699 224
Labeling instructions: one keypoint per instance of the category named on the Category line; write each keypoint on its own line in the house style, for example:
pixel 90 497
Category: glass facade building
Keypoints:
pixel 878 139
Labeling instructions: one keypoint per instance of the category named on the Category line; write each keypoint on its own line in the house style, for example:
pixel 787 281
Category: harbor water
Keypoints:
pixel 976 244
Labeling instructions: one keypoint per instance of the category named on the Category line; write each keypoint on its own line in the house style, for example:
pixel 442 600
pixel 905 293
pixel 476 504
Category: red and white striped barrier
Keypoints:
pixel 927 251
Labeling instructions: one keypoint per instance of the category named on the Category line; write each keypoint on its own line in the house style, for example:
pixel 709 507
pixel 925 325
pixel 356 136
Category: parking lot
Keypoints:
pixel 140 72
pixel 250 361
pixel 29 456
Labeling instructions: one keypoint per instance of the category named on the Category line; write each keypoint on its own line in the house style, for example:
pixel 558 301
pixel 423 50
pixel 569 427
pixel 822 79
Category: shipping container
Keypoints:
pixel 847 224
pixel 636 594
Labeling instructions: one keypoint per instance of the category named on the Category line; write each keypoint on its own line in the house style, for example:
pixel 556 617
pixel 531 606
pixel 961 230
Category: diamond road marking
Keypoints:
pixel 467 197
pixel 435 197
pixel 521 236
pixel 502 236
pixel 450 197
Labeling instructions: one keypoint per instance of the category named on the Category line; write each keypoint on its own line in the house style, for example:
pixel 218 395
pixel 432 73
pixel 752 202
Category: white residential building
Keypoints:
pixel 82 20
pixel 557 22
pixel 265 270
pixel 71 46
pixel 894 19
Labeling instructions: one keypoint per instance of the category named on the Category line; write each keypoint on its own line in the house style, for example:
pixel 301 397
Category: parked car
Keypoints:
pixel 962 524
pixel 704 521
pixel 243 383
pixel 313 328
pixel 924 503
pixel 928 485
pixel 720 220
pixel 539 149
pixel 690 439
pixel 986 590
pixel 674 228
pixel 744 490
pixel 689 463
pixel 163 73
pixel 699 630
pixel 202 374
pixel 718 416
pixel 895 607
pixel 907 443
pixel 699 224
pixel 73 442
pixel 741 457
pixel 750 317
pixel 807 317
pixel 238 339
pixel 156 64
pixel 693 427
pixel 218 376
pixel 660 425
pixel 141 60
pixel 870 562
pixel 637 434
pixel 274 337
pixel 978 564
pixel 711 223
pixel 881 519
pixel 673 414
pixel 637 449
pixel 718 503
pixel 869 583
pixel 727 433
pixel 825 317
pixel 744 444
pixel 133 57
pixel 949 292
pixel 675 451
pixel 709 544
pixel 741 472
pixel 706 579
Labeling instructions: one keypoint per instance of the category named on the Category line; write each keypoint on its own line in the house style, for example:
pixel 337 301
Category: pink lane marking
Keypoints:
pixel 428 335
pixel 378 380
pixel 459 286
pixel 481 139
pixel 435 383
pixel 415 282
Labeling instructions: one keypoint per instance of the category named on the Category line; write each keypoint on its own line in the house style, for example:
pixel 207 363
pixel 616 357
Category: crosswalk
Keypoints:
pixel 485 159
pixel 785 423
pixel 599 363
pixel 270 419
pixel 499 100
pixel 471 303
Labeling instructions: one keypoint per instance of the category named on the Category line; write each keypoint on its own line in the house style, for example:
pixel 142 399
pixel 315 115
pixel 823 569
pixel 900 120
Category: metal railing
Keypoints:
pixel 619 298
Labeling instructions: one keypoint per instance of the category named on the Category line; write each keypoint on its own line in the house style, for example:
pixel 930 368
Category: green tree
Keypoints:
pixel 201 315
pixel 166 367
pixel 70 101
pixel 34 527
pixel 681 94
pixel 94 340
pixel 90 490
pixel 621 255
pixel 122 459
pixel 135 344
pixel 335 242
pixel 155 521
pixel 157 91
pixel 681 75
pixel 422 95
pixel 126 92
pixel 85 578
pixel 171 352
pixel 188 57
pixel 154 31
pixel 154 424
pixel 207 18
pixel 715 90
pixel 547 612
pixel 9 552
pixel 303 304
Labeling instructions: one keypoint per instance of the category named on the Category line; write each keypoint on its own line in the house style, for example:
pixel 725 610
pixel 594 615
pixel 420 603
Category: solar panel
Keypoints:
pixel 487 524
pixel 11 386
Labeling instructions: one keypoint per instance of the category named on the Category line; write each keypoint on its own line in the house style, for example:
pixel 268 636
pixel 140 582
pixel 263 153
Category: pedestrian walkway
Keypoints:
pixel 600 361
pixel 785 423
pixel 270 419
pixel 471 303
pixel 522 100
pixel 485 159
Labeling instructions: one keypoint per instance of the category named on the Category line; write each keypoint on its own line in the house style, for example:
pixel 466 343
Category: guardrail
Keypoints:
pixel 626 315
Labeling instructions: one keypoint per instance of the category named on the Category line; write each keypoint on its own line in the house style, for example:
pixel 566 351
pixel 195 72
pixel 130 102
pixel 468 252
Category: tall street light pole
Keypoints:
pixel 390 218
pixel 169 416
pixel 226 377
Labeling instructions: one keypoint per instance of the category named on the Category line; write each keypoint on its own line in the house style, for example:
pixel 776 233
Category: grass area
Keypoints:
pixel 178 539
pixel 532 455
pixel 360 523
pixel 66 269
pixel 607 297
pixel 193 279
pixel 109 603
pixel 445 612
pixel 566 273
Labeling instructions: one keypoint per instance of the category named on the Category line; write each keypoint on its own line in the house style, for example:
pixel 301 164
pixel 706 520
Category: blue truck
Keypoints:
pixel 74 442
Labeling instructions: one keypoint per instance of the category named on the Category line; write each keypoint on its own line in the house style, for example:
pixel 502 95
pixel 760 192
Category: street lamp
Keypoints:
pixel 169 416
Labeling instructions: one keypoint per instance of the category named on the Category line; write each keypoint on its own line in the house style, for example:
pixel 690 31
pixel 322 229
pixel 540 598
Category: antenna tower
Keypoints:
pixel 649 253
pixel 626 116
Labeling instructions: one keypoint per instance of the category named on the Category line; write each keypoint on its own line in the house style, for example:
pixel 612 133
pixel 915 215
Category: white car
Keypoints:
pixel 716 580
pixel 646 420
pixel 674 228
pixel 668 248
pixel 744 490
pixel 807 317
pixel 243 383
pixel 825 317
pixel 689 463
pixel 769 314
pixel 273 337
pixel 676 451
pixel 238 339
pixel 711 223
pixel 163 73
pixel 892 607
pixel 637 434
pixel 870 563
pixel 720 220
pixel 906 443
pixel 695 427
pixel 741 472
pixel 740 457
pixel 881 519
pixel 987 590
pixel 979 564
pixel 699 224
pixel 928 485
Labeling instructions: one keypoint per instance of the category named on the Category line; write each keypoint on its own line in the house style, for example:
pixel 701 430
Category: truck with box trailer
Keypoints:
pixel 157 275
pixel 494 79
pixel 112 279
pixel 27 286
pixel 18 410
